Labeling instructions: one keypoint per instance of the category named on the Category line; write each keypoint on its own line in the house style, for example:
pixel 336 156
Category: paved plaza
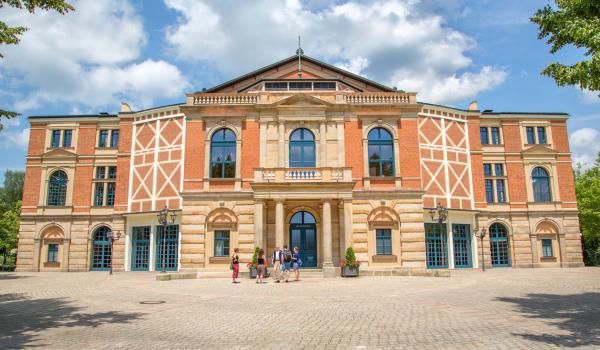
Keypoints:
pixel 499 309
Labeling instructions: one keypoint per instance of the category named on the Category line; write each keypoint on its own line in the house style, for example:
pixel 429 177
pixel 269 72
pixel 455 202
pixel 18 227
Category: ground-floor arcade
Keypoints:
pixel 386 230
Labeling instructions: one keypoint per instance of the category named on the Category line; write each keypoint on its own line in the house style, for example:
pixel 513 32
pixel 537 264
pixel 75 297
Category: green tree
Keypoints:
pixel 12 191
pixel 9 230
pixel 587 187
pixel 572 22
pixel 10 35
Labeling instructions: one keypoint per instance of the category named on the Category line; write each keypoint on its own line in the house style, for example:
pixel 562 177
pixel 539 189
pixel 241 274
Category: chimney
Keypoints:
pixel 473 106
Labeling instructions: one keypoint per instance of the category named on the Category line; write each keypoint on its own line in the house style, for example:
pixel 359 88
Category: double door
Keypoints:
pixel 304 236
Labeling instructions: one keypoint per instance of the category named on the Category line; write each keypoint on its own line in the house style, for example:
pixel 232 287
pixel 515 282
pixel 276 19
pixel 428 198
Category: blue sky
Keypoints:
pixel 149 53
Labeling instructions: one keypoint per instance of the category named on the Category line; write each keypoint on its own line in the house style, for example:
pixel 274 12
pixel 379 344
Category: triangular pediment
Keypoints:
pixel 59 153
pixel 302 100
pixel 538 151
pixel 307 69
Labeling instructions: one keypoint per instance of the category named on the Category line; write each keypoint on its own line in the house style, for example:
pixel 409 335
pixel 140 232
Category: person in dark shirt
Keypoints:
pixel 296 263
pixel 261 261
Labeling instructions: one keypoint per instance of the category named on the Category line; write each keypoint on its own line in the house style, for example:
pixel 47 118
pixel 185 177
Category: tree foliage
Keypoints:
pixel 11 35
pixel 587 187
pixel 11 194
pixel 572 22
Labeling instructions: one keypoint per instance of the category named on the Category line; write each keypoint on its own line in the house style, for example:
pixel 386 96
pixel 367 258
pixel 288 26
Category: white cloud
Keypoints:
pixel 90 57
pixel 585 145
pixel 14 139
pixel 589 97
pixel 399 43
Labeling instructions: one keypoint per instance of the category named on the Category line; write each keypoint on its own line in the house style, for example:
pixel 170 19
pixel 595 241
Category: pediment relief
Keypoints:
pixel 383 216
pixel 59 153
pixel 302 100
pixel 222 217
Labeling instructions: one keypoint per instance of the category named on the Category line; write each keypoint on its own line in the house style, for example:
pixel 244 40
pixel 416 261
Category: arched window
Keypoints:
pixel 222 154
pixel 541 185
pixel 381 153
pixel 57 189
pixel 499 245
pixel 302 148
pixel 101 249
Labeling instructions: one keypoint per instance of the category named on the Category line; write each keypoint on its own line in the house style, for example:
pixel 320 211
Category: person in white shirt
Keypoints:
pixel 277 260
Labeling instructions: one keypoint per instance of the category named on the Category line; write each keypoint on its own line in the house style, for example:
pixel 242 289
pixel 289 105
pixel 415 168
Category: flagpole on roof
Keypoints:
pixel 299 52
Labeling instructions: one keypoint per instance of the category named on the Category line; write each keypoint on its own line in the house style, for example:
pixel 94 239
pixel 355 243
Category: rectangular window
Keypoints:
pixel 499 170
pixel 276 86
pixel 300 86
pixel 530 135
pixel 114 138
pixel 67 136
pixel 383 238
pixel 52 253
pixel 112 172
pixel 221 243
pixel 500 193
pixel 547 248
pixel 100 172
pixel 487 169
pixel 103 138
pixel 323 85
pixel 110 194
pixel 484 136
pixel 541 133
pixel 99 194
pixel 495 136
pixel 489 191
pixel 55 139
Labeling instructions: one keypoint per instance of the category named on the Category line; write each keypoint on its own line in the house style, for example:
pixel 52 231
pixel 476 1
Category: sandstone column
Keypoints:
pixel 281 148
pixel 279 223
pixel 258 224
pixel 327 253
pixel 347 224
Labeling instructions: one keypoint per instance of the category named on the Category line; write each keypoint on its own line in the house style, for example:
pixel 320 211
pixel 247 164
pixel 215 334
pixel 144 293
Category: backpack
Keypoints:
pixel 287 256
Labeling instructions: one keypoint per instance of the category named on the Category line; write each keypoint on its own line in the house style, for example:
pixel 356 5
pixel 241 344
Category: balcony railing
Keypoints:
pixel 326 174
pixel 377 98
pixel 224 99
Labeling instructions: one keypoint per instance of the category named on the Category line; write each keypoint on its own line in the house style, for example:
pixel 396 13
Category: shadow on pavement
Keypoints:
pixel 21 319
pixel 577 314
pixel 8 276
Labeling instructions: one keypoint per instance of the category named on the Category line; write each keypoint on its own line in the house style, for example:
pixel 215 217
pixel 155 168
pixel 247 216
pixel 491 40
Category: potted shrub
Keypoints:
pixel 253 265
pixel 350 265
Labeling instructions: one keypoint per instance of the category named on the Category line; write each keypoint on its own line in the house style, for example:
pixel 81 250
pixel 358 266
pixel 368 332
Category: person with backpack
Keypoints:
pixel 287 261
pixel 277 261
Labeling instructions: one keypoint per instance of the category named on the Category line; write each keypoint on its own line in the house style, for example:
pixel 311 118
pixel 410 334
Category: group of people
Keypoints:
pixel 283 261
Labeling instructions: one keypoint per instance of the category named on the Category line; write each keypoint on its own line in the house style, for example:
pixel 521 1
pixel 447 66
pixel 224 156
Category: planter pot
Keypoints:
pixel 349 271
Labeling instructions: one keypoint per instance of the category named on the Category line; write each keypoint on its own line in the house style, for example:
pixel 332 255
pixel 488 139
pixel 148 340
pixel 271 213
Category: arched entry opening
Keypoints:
pixel 101 249
pixel 303 234
pixel 499 247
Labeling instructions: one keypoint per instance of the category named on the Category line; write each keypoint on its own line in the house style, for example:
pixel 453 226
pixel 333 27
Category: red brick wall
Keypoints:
pixel 194 155
pixel 250 151
pixel 353 147
pixel 476 162
pixel 123 164
pixel 410 161
pixel 33 173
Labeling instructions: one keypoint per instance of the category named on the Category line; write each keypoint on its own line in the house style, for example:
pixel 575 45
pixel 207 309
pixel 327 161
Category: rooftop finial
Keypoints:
pixel 299 52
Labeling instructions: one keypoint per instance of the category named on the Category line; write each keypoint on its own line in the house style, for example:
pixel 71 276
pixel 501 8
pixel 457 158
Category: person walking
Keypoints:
pixel 235 265
pixel 287 261
pixel 261 266
pixel 277 260
pixel 296 263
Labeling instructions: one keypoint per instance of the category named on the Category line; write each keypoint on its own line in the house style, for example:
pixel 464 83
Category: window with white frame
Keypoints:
pixel 495 182
pixel 108 138
pixel 104 186
pixel 490 135
pixel 536 135
pixel 61 138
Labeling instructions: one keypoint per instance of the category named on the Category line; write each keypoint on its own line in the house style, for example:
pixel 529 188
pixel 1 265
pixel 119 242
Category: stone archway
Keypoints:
pixel 51 250
pixel 548 243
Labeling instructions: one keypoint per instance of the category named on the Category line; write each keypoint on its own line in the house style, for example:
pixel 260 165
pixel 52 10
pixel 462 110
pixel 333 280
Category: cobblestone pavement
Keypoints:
pixel 499 309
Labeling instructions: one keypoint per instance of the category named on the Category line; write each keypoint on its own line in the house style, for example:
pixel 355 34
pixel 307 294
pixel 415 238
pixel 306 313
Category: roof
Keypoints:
pixel 99 115
pixel 291 59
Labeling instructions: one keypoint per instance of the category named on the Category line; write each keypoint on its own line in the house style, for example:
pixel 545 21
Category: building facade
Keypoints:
pixel 305 154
